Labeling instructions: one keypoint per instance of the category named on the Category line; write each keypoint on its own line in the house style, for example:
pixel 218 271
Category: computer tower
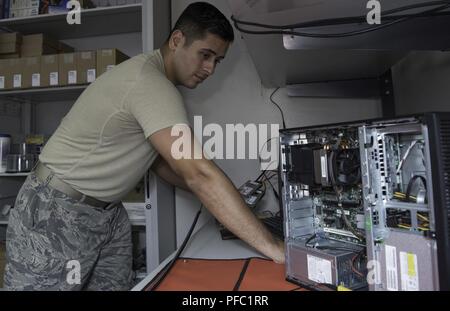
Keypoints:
pixel 366 204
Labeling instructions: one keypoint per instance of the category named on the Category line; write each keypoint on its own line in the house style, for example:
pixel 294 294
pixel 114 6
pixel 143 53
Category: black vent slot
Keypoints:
pixel 445 147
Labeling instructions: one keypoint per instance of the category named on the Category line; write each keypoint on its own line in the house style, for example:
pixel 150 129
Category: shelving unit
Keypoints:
pixel 94 22
pixel 45 94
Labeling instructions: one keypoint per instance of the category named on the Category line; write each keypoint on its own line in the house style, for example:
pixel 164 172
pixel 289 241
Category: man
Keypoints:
pixel 68 213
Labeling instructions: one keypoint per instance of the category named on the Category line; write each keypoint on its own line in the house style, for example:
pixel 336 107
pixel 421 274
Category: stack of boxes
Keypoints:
pixel 38 61
pixel 40 44
pixel 34 47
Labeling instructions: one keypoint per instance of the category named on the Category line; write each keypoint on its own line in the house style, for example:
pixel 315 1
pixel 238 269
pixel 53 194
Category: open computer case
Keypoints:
pixel 366 204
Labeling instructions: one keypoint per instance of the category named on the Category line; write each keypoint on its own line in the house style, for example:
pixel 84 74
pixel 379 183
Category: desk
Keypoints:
pixel 207 244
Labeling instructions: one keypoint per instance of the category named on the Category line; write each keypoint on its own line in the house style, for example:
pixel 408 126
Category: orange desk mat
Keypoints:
pixel 253 274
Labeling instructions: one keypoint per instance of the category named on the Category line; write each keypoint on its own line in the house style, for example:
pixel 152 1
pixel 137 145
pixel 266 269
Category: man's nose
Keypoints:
pixel 209 67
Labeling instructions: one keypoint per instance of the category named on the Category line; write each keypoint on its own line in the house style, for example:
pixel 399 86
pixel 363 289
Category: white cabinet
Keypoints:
pixel 154 212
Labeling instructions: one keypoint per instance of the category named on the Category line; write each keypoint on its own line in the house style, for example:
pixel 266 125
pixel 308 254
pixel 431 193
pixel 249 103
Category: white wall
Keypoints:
pixel 235 95
pixel 421 82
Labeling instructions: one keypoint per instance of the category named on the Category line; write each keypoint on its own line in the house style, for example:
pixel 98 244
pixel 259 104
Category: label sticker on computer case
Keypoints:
pixel 391 268
pixel 319 270
pixel 2 82
pixel 408 271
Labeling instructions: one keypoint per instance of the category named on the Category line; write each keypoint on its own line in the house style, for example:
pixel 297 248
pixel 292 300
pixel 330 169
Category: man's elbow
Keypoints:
pixel 198 174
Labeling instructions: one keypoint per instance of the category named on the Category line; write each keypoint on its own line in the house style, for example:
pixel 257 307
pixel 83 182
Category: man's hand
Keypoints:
pixel 218 195
pixel 279 253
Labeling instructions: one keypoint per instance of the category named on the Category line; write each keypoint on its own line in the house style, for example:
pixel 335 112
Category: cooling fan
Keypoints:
pixel 345 167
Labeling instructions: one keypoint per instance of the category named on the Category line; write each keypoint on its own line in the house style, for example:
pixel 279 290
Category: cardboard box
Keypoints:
pixel 37 45
pixel 23 8
pixel 31 73
pixel 11 73
pixel 7 56
pixel 68 74
pixel 41 44
pixel 23 4
pixel 16 73
pixel 9 48
pixel 10 43
pixel 39 39
pixel 15 13
pixel 49 70
pixel 108 58
pixel 86 67
pixel 4 67
pixel 11 37
pixel 56 7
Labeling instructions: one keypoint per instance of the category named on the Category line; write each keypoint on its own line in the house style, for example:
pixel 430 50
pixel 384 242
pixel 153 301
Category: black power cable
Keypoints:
pixel 263 173
pixel 281 111
pixel 170 265
pixel 260 175
pixel 275 193
pixel 312 237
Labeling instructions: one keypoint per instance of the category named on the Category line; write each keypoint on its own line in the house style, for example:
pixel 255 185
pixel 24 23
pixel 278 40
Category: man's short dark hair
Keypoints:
pixel 200 18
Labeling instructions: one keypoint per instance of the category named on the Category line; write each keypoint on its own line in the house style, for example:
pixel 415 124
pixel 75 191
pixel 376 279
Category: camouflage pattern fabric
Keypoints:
pixel 56 243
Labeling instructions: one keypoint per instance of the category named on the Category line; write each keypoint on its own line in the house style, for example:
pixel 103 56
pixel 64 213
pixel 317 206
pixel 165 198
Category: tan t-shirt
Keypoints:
pixel 101 147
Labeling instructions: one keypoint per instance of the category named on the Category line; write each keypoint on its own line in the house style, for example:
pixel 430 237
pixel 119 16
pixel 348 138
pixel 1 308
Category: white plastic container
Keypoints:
pixel 5 144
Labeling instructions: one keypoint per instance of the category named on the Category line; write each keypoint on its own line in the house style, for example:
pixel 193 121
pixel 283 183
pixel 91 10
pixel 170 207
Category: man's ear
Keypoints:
pixel 176 40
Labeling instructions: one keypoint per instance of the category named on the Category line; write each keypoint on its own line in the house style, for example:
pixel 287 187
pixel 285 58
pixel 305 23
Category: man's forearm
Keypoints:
pixel 217 194
pixel 222 199
pixel 163 170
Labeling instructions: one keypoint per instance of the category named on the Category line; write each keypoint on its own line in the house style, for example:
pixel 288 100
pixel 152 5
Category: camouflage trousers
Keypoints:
pixel 56 243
